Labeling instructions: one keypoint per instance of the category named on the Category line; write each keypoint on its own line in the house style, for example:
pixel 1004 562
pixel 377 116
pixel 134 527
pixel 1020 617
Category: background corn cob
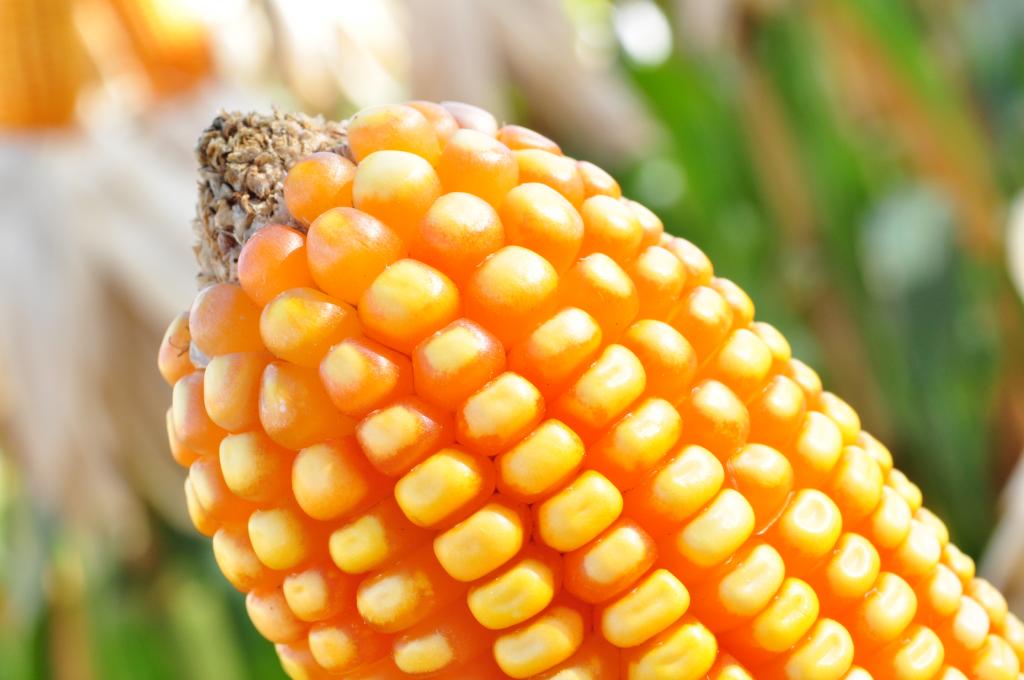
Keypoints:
pixel 493 421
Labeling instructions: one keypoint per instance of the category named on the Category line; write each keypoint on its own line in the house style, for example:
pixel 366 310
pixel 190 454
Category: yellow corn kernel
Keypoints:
pixel 817 449
pixel 667 356
pixel 940 591
pixel 918 554
pixel 856 484
pixel 510 292
pixel 905 488
pixel 231 390
pixel 447 640
pixel 518 592
pixel 808 529
pixel 481 543
pixel 603 392
pixel 825 654
pixel 1013 633
pixel 851 571
pixel 280 538
pixel 989 598
pixel 961 564
pixel 764 477
pixel 361 375
pixel 715 418
pixel 369 540
pixel 950 673
pixel 331 480
pixel 272 617
pixel 301 324
pixel 444 486
pixel 254 468
pixel 782 624
pixel 455 362
pixel 594 660
pixel 659 277
pixel 741 588
pixel 579 512
pixel 658 601
pixel 918 655
pixel 407 302
pixel 691 478
pixel 743 362
pixel 932 521
pixel 842 415
pixel 968 627
pixel 995 661
pixel 716 533
pixel 686 651
pixel 237 560
pixel 201 519
pixel 728 668
pixel 546 641
pixel 885 613
pixel 600 287
pixel 635 444
pixel 858 673
pixel 540 462
pixel 876 450
pixel 500 414
pixel 889 525
pixel 346 643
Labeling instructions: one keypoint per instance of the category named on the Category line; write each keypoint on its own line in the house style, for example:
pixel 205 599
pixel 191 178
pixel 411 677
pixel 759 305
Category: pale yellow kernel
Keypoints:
pixel 658 602
pixel 425 654
pixel 790 615
pixel 684 652
pixel 547 641
pixel 481 543
pixel 579 512
pixel 439 486
pixel 360 546
pixel 448 352
pixel 749 587
pixel 718 531
pixel 617 552
pixel 541 460
pixel 499 414
pixel 385 600
pixel 513 596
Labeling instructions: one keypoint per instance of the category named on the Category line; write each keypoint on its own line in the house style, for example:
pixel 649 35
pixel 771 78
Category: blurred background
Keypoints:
pixel 856 165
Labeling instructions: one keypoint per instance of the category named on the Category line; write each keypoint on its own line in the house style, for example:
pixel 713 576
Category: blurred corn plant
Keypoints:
pixel 850 162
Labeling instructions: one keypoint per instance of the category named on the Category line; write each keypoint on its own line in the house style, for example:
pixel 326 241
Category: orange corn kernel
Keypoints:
pixel 884 613
pixel 476 163
pixel 361 375
pixel 445 487
pixel 651 224
pixel 807 530
pixel 825 654
pixel 711 537
pixel 443 643
pixel 203 522
pixel 764 477
pixel 599 286
pixel 472 117
pixel 917 655
pixel 517 137
pixel 392 127
pixel 777 344
pixel 610 227
pixel 856 484
pixel 991 599
pixel 372 539
pixel 346 643
pixel 255 468
pixel 995 661
pixel 557 171
pixel 347 249
pixel 804 376
pixel 705 319
pixel 917 555
pixel 594 659
pixel 440 119
pixel 223 320
pixel 668 358
pixel 271 616
pixel 212 494
pixel 777 413
pixel 396 187
pixel 511 292
pixel 457 233
pixel 659 278
pixel 301 324
pixel 182 455
pixel 406 303
pixel 173 359
pixel 816 450
pixel 876 450
pixel 541 462
pixel 636 443
pixel 193 427
pixel 657 601
pixel 699 270
pixel 231 390
pixel 786 619
pixel 611 563
pixel 237 560
pixel 499 414
pixel 333 479
pixel 741 588
pixel 848 574
pixel 728 668
pixel 887 527
pixel 318 593
pixel 939 593
pixel 407 592
pixel 294 407
pixel 399 436
pixel 455 362
pixel 272 261
pixel 596 181
pixel 739 302
pixel 842 415
pixel 539 218
pixel 557 351
pixel 579 512
pixel 318 183
pixel 742 363
pixel 715 418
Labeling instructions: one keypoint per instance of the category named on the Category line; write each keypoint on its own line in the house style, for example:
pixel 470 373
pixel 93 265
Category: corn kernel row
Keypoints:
pixel 480 417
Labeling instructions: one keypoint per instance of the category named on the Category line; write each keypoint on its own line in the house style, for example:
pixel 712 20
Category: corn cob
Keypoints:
pixel 464 411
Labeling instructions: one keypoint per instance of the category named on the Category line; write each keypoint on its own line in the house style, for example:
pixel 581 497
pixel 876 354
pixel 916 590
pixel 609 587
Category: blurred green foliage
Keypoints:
pixel 848 163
